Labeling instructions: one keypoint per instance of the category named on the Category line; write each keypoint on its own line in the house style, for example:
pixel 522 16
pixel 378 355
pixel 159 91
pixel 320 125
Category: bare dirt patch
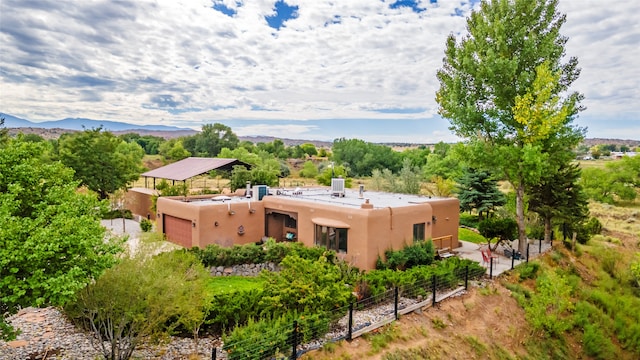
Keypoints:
pixel 481 324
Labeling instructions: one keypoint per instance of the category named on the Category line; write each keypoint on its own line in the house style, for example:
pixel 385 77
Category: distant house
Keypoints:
pixel 359 225
pixel 620 155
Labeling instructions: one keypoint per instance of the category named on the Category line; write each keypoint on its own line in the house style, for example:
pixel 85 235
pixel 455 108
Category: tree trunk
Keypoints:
pixel 522 246
pixel 547 228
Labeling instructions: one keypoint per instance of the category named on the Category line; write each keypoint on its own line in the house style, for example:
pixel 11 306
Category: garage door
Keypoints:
pixel 177 230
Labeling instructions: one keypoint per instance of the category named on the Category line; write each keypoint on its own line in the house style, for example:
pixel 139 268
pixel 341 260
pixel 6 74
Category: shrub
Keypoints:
pixel 146 225
pixel 262 339
pixel 548 308
pixel 117 214
pixel 418 253
pixel 597 344
pixel 503 229
pixel 469 220
pixel 304 286
pixel 228 310
pixel 528 270
pixel 141 297
pixel 536 232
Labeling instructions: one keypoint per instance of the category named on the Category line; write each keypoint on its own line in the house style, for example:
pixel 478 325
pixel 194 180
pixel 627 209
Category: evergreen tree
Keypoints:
pixel 477 190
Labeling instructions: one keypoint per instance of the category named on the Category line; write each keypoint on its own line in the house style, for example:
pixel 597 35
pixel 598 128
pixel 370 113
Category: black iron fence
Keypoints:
pixel 290 341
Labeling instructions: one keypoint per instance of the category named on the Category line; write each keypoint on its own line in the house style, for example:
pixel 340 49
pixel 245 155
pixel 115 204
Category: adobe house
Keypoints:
pixel 360 225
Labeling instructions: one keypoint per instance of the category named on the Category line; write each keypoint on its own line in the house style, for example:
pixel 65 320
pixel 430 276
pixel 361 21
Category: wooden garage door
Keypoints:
pixel 177 230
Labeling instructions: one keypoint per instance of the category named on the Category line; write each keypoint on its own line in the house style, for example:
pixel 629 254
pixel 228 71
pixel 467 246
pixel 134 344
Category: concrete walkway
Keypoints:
pixel 471 251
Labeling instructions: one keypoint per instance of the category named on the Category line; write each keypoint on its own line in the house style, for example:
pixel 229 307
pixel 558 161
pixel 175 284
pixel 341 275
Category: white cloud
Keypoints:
pixel 184 62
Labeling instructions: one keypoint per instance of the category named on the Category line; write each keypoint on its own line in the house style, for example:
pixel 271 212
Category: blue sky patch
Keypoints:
pixel 284 13
pixel 224 9
pixel 412 4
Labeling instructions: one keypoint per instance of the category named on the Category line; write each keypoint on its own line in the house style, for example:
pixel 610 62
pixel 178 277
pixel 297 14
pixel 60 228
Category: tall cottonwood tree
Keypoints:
pixel 505 88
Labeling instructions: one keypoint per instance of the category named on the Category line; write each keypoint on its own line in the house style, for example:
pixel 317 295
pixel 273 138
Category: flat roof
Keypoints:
pixel 324 195
pixel 193 166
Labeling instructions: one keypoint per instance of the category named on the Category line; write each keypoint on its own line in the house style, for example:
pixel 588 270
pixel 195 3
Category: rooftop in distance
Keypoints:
pixel 325 195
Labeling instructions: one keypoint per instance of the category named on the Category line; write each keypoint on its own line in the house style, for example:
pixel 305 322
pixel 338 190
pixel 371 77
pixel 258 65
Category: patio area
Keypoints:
pixel 501 263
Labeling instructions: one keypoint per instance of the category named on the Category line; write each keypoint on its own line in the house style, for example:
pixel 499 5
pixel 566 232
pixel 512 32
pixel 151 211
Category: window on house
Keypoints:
pixel 290 222
pixel 418 232
pixel 331 238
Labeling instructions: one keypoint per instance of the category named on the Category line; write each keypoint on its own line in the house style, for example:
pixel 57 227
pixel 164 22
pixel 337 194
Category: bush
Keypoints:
pixel 528 270
pixel 469 220
pixel 549 307
pixel 262 339
pixel 503 229
pixel 142 297
pixel 536 232
pixel 304 286
pixel 597 344
pixel 418 253
pixel 117 214
pixel 230 310
pixel 146 225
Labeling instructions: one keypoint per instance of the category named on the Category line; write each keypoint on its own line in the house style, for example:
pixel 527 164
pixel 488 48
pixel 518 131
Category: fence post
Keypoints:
pixel 513 258
pixel 350 331
pixel 528 252
pixel 433 290
pixel 395 303
pixel 214 353
pixel 466 277
pixel 539 246
pixel 294 333
pixel 491 268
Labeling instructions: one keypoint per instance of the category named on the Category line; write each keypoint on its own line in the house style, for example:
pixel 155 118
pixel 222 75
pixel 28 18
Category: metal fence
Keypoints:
pixel 295 339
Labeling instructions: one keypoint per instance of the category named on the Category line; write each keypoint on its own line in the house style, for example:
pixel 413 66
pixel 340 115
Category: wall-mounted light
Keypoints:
pixel 434 219
pixel 216 224
pixel 193 224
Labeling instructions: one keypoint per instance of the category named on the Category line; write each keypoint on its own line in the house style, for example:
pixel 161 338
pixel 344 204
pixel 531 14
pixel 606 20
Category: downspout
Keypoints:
pixel 390 217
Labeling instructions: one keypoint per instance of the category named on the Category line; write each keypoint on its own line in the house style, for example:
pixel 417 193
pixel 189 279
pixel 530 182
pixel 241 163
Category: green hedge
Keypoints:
pixel 271 251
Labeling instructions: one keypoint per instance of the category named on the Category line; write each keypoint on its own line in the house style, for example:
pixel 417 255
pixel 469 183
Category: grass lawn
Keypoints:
pixel 468 235
pixel 229 284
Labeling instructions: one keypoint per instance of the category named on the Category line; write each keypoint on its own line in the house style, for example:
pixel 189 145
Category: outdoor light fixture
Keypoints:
pixel 216 223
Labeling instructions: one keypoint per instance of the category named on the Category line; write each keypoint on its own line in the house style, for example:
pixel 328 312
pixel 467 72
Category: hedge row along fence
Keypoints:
pixel 393 293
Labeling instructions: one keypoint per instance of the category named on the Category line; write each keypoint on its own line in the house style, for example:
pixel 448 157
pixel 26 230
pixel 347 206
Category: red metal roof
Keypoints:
pixel 193 166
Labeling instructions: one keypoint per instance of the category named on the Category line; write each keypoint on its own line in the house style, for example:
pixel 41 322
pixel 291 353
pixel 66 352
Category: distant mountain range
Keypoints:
pixel 80 124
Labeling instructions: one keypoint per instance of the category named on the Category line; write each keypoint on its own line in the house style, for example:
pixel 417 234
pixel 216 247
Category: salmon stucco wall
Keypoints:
pixel 138 200
pixel 370 230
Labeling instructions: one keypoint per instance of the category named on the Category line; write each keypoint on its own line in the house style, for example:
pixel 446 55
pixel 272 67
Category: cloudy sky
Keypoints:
pixel 309 69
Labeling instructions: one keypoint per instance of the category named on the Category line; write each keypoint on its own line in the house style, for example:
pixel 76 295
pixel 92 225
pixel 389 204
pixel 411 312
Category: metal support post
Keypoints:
pixel 433 290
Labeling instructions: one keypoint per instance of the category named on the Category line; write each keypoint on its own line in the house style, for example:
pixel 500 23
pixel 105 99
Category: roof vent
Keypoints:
pixel 337 187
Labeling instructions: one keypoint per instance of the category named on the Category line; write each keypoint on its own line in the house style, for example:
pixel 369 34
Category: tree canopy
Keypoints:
pixel 361 157
pixel 102 162
pixel 51 240
pixel 211 140
pixel 505 88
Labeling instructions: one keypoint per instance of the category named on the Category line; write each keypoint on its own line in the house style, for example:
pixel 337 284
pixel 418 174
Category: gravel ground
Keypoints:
pixel 47 334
